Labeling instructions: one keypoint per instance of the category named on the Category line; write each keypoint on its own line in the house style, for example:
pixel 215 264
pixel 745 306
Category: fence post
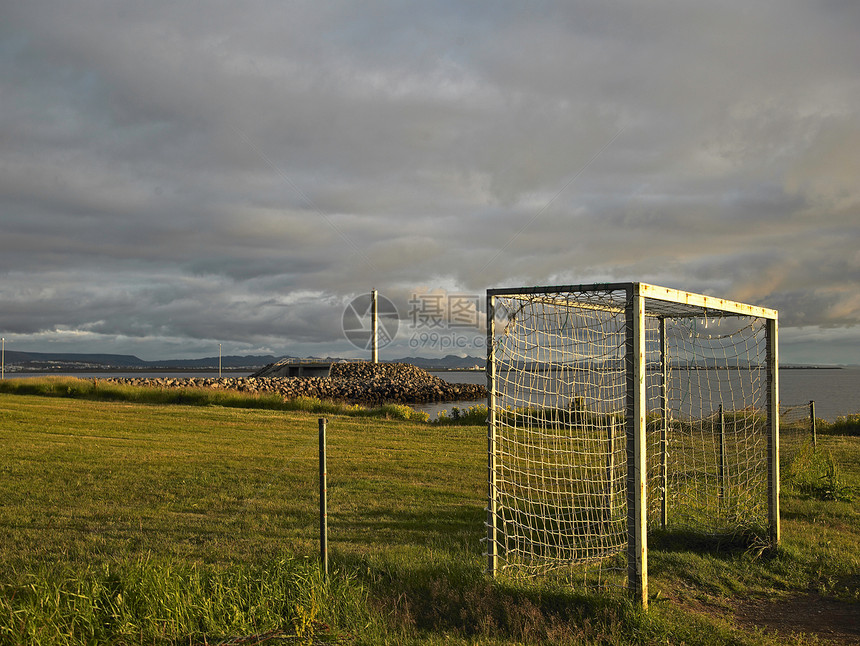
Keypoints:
pixel 722 454
pixel 323 500
pixel 812 423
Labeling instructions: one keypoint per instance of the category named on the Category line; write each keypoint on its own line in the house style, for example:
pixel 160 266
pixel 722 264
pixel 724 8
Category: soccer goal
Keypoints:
pixel 615 409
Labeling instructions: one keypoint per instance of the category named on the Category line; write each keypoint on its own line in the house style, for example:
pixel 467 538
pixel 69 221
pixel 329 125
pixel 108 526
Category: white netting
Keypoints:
pixel 716 431
pixel 561 397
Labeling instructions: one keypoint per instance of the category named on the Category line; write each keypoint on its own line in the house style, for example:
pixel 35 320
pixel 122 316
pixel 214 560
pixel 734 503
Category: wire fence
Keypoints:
pixel 797 430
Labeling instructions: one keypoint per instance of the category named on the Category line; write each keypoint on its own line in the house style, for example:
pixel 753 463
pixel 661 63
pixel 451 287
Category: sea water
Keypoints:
pixel 835 391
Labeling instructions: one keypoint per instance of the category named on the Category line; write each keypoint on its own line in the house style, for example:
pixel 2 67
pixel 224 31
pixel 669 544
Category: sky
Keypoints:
pixel 179 176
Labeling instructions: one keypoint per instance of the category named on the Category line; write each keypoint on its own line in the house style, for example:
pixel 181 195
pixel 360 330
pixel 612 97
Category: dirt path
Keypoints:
pixel 809 613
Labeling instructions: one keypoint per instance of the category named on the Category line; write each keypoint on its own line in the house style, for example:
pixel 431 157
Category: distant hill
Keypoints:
pixel 449 362
pixel 228 361
pixel 112 360
pixel 71 361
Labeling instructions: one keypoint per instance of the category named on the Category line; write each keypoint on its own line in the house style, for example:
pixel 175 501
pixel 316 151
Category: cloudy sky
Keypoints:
pixel 175 175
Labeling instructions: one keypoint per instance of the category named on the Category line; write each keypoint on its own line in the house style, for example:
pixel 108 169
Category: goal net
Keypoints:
pixel 615 409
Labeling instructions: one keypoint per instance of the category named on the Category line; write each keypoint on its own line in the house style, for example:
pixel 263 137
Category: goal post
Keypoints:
pixel 635 368
pixel 688 381
pixel 492 511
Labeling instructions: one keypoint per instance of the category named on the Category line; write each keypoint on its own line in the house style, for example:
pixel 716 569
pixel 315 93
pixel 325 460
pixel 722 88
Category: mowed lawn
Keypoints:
pixel 138 523
pixel 99 480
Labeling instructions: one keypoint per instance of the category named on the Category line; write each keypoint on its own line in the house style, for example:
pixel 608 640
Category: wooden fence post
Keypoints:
pixel 323 500
pixel 812 423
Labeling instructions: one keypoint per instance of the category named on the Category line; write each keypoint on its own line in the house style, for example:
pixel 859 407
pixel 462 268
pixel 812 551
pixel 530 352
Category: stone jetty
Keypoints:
pixel 355 382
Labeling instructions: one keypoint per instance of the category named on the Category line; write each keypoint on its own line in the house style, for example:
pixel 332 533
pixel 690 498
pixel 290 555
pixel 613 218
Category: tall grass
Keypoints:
pixel 151 600
pixel 96 390
pixel 472 416
pixel 813 472
pixel 842 425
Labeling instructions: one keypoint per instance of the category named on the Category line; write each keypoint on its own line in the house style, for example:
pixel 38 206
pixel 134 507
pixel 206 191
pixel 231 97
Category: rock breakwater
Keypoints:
pixel 357 383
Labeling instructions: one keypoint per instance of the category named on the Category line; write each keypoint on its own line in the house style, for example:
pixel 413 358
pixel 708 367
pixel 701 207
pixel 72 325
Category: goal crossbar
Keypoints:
pixel 660 301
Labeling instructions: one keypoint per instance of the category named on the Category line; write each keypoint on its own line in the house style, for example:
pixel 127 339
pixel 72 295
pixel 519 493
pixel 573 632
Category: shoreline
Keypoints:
pixel 354 383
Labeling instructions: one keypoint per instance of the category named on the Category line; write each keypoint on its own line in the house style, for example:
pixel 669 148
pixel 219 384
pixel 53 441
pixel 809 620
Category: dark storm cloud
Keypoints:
pixel 174 175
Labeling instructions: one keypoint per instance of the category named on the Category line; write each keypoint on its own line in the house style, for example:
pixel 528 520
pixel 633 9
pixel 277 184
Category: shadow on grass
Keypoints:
pixel 430 579
pixel 398 527
pixel 680 540
pixel 456 597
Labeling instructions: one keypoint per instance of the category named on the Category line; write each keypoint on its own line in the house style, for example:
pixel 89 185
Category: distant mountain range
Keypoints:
pixel 85 361
pixel 59 362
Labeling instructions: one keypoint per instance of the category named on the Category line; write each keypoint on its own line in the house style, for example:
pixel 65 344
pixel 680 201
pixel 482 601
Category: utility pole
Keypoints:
pixel 375 334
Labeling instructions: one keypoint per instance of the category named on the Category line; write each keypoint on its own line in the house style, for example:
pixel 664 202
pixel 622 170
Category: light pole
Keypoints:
pixel 219 361
pixel 374 323
pixel 3 361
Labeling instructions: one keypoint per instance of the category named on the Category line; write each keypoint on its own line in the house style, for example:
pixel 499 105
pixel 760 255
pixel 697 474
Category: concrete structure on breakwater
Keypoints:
pixel 354 382
pixel 296 368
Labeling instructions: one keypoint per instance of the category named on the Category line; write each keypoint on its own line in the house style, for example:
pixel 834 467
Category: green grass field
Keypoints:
pixel 126 522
